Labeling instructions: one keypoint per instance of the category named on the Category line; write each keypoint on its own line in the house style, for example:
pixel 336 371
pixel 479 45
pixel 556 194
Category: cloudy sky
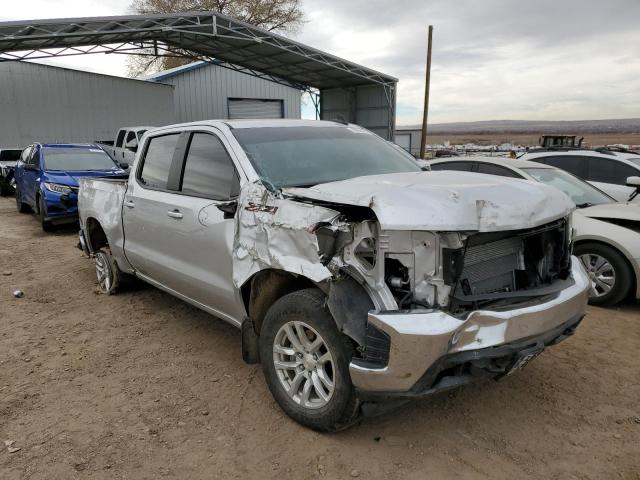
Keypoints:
pixel 492 59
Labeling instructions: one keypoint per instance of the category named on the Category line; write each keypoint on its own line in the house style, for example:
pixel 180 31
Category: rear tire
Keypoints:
pixel 309 376
pixel 108 274
pixel 609 270
pixel 5 189
pixel 47 226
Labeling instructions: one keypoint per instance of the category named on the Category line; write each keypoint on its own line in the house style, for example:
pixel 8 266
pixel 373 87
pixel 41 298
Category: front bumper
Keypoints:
pixel 61 207
pixel 423 344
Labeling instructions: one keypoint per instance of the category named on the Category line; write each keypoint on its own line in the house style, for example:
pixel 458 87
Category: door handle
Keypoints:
pixel 174 214
pixel 129 204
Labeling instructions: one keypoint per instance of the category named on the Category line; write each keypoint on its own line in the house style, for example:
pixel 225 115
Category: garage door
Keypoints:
pixel 253 108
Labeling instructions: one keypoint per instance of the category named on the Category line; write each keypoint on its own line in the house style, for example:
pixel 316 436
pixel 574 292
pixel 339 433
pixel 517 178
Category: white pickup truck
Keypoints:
pixel 123 149
pixel 354 276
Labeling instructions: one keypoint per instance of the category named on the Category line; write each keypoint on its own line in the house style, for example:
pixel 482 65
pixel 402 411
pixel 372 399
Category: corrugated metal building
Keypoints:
pixel 42 103
pixel 206 91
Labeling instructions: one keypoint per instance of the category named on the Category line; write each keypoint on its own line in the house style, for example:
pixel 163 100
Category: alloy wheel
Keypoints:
pixel 103 272
pixel 304 365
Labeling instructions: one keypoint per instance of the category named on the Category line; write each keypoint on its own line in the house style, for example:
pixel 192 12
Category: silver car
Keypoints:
pixel 607 232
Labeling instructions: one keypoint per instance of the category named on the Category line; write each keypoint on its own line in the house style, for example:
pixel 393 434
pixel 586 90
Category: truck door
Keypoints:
pixel 187 244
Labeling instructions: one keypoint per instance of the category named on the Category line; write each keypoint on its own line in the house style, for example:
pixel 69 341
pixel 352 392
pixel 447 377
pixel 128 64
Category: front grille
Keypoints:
pixel 495 264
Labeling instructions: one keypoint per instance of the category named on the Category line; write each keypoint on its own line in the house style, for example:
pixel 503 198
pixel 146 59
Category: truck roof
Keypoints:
pixel 263 123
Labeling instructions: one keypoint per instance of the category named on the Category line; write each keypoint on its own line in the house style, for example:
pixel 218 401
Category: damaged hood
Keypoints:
pixel 621 211
pixel 446 201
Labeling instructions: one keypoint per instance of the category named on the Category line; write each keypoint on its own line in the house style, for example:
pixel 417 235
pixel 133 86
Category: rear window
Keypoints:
pixel 157 161
pixel 76 159
pixel 458 166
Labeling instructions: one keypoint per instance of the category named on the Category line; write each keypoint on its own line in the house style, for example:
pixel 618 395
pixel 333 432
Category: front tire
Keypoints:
pixel 609 271
pixel 305 360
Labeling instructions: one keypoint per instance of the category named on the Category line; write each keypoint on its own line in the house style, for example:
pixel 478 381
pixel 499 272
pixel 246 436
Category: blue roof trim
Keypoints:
pixel 160 76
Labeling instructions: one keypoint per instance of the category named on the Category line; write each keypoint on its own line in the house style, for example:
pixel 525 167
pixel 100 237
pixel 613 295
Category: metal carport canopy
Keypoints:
pixel 209 36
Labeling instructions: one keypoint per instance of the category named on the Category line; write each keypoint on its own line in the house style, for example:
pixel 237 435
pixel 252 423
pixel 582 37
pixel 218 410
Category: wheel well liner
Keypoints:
pixel 96 238
pixel 265 288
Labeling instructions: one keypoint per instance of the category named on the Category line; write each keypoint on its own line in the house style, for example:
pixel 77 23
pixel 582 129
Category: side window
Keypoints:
pixel 458 166
pixel 120 139
pixel 208 170
pixel 491 169
pixel 157 161
pixel 609 171
pixel 131 136
pixel 572 164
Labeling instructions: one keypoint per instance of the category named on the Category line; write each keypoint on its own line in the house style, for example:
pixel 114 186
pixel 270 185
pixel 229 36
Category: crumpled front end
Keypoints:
pixel 419 305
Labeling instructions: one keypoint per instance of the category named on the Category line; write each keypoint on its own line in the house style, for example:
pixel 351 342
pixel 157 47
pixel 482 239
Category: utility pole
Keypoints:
pixel 425 114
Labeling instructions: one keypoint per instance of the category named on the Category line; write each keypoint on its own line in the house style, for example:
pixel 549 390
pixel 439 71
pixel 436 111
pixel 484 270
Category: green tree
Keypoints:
pixel 273 15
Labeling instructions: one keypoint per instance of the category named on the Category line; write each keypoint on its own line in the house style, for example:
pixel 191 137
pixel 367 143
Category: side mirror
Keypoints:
pixel 229 208
pixel 132 145
pixel 123 165
pixel 634 182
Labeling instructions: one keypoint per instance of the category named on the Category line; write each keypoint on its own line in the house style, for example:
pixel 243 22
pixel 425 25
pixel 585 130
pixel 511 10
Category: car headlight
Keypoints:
pixel 54 187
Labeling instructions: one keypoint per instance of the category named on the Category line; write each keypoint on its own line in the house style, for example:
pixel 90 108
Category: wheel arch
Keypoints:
pixel 95 235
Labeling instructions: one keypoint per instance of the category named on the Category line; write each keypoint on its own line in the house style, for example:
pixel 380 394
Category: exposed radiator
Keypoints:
pixel 491 267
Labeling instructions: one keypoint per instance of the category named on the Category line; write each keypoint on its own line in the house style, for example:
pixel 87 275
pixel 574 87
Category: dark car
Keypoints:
pixel 8 159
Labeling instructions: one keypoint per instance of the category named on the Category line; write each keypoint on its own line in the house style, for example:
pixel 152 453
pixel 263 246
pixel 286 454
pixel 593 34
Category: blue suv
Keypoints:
pixel 47 176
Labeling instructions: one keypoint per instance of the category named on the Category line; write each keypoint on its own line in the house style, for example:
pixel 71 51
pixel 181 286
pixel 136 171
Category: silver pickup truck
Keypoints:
pixel 354 276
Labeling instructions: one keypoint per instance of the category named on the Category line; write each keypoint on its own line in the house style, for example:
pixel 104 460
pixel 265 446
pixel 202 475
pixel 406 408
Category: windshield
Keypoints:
pixel 10 155
pixel 76 159
pixel 306 156
pixel 582 193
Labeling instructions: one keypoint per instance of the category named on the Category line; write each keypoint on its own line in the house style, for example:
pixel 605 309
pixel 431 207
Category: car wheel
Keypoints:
pixel 107 272
pixel 608 270
pixel 305 360
pixel 47 226
pixel 20 205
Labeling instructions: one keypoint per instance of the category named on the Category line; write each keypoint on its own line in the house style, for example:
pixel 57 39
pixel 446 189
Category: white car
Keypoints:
pixel 607 233
pixel 607 170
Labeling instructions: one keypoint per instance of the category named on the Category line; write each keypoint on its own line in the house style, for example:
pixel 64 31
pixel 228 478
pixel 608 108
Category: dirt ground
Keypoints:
pixel 141 385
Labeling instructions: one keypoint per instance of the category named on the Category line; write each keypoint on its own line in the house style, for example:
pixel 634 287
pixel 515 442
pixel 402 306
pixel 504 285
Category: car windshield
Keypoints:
pixel 306 156
pixel 10 155
pixel 582 193
pixel 76 159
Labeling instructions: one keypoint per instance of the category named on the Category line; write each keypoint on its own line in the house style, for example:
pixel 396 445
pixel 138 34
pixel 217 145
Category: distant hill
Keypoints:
pixel 577 127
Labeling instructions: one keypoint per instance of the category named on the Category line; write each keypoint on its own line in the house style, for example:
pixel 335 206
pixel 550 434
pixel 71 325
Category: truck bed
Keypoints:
pixel 101 199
